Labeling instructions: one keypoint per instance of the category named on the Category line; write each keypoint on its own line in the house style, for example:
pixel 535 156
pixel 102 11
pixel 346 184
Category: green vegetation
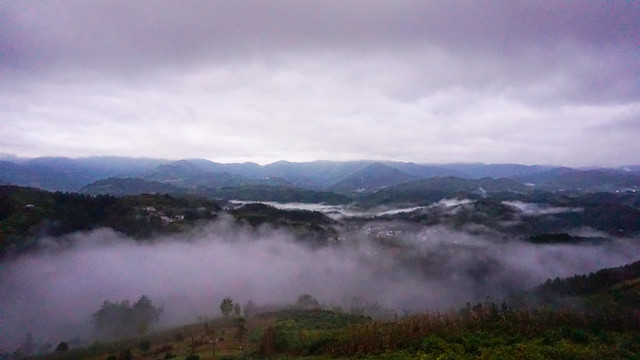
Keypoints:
pixel 556 238
pixel 427 191
pixel 257 214
pixel 211 188
pixel 27 214
pixel 122 320
pixel 591 316
pixel 312 227
pixel 482 331
pixel 303 332
pixel 488 331
pixel 226 306
pixel 128 186
pixel 614 292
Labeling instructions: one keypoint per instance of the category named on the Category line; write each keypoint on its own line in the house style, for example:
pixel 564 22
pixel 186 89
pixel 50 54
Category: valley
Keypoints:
pixel 393 250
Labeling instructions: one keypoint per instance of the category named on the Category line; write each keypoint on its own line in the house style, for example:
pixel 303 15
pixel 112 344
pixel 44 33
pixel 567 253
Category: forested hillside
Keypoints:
pixel 27 215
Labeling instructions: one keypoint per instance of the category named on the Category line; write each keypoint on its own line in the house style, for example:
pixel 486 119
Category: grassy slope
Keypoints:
pixel 483 331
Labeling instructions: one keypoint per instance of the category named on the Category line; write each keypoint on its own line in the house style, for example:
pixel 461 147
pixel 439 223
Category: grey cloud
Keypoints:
pixel 268 80
pixel 120 34
pixel 162 25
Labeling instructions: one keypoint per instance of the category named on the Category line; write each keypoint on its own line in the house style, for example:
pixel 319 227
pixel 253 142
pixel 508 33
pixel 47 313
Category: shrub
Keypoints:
pixel 145 345
pixel 62 347
pixel 125 355
pixel 579 336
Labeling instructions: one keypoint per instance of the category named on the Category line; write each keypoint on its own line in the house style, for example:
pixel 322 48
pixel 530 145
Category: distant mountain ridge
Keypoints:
pixel 352 178
pixel 593 180
pixel 65 174
pixel 128 186
pixel 425 191
pixel 370 179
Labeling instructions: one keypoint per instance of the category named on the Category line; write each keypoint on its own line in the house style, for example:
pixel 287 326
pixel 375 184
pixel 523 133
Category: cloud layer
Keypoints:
pixel 498 81
pixel 52 293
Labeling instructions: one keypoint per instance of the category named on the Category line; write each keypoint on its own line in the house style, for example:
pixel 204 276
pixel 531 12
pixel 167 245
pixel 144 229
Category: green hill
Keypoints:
pixel 486 330
pixel 422 192
pixel 28 214
pixel 128 186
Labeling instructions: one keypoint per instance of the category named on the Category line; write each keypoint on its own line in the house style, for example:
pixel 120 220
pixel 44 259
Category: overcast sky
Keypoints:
pixel 544 82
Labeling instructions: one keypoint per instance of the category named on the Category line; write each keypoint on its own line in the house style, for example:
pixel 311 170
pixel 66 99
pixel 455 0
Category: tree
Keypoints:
pixel 307 301
pixel 266 345
pixel 237 310
pixel 63 347
pixel 226 306
pixel 125 355
pixel 144 314
pixel 241 331
pixel 118 320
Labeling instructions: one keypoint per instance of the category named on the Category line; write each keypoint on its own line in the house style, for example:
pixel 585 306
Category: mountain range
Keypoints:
pixel 353 179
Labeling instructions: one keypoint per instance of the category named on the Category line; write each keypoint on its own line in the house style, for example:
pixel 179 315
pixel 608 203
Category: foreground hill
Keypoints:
pixel 608 291
pixel 485 330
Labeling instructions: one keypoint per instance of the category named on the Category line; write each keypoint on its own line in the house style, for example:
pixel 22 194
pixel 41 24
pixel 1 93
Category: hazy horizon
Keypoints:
pixel 15 157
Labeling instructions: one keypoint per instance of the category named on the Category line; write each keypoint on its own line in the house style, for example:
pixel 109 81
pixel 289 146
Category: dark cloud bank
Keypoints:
pixel 53 293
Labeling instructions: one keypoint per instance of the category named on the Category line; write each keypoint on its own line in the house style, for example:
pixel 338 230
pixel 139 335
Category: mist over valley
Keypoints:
pixel 402 246
pixel 234 180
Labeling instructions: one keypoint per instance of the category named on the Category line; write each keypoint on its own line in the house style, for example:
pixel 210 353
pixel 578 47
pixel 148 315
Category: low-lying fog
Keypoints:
pixel 338 212
pixel 53 293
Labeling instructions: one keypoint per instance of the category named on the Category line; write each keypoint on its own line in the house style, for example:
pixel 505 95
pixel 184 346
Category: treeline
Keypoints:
pixel 594 282
pixel 27 214
pixel 115 320
pixel 608 292
pixel 311 227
